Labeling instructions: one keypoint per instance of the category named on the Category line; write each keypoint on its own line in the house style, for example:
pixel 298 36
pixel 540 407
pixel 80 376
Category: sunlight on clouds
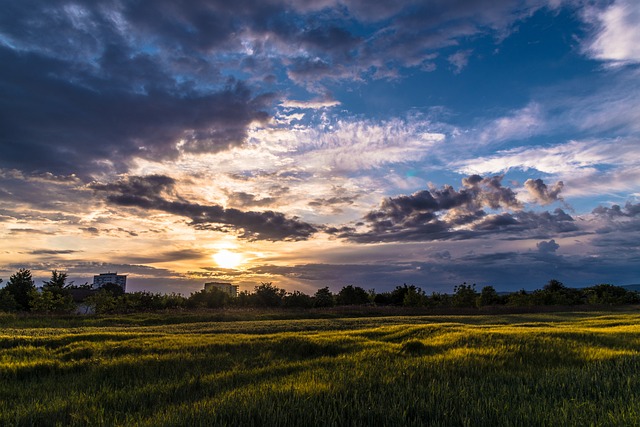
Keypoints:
pixel 227 259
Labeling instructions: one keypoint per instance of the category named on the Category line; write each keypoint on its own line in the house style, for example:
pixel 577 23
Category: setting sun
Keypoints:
pixel 227 259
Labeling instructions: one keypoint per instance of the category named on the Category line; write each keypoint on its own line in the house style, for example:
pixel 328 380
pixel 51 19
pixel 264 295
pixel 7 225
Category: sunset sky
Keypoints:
pixel 321 143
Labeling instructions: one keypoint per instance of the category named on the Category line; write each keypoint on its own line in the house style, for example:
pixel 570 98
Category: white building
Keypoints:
pixel 230 289
pixel 115 278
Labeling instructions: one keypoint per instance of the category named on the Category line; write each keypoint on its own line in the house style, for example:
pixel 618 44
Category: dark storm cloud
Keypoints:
pixel 507 271
pixel 547 247
pixel 542 193
pixel 333 273
pixel 152 192
pixel 618 219
pixel 30 197
pixel 55 122
pixel 446 213
pixel 86 87
pixel 630 210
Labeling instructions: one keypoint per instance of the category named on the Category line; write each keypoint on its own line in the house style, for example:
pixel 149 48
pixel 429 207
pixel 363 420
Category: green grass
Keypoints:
pixel 491 370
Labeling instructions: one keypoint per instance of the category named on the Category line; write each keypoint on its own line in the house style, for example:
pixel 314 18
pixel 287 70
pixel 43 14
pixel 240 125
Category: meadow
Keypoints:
pixel 484 370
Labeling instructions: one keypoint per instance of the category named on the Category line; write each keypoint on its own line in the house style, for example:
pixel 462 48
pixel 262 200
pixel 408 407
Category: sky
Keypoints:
pixel 325 143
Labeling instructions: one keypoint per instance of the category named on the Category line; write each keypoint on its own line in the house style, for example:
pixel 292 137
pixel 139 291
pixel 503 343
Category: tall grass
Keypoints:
pixel 545 369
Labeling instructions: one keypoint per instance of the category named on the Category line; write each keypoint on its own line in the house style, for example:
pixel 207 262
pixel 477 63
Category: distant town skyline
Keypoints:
pixel 329 143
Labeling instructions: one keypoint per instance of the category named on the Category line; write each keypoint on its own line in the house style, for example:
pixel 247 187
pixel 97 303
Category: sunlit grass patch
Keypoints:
pixel 558 369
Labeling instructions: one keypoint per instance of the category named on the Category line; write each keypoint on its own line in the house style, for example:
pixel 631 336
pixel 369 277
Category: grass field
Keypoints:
pixel 531 369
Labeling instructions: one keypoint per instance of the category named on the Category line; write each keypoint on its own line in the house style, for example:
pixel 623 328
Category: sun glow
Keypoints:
pixel 227 259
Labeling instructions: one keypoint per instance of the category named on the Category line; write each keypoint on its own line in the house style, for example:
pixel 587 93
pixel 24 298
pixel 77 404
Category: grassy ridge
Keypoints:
pixel 546 369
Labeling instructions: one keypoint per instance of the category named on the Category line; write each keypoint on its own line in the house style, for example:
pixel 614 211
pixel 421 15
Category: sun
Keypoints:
pixel 227 259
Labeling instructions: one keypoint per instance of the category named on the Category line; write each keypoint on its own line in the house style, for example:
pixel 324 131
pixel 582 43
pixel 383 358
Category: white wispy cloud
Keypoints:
pixel 459 60
pixel 557 159
pixel 313 104
pixel 520 124
pixel 586 167
pixel 616 37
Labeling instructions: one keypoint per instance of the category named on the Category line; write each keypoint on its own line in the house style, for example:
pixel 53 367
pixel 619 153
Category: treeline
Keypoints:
pixel 56 296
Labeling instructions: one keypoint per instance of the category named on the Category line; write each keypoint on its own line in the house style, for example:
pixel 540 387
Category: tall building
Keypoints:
pixel 115 278
pixel 232 290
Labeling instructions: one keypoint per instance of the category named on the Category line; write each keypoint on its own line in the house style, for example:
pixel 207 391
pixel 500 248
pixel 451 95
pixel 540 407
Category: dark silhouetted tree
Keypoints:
pixel 113 288
pixel 55 296
pixel 323 298
pixel 20 286
pixel 103 302
pixel 297 299
pixel 489 296
pixel 610 295
pixel 397 295
pixel 57 285
pixel 414 297
pixel 464 295
pixel 556 293
pixel 352 295
pixel 208 298
pixel 7 301
pixel 268 295
pixel 437 299
pixel 519 299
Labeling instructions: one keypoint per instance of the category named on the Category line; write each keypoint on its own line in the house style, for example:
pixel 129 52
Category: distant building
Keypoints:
pixel 232 290
pixel 103 278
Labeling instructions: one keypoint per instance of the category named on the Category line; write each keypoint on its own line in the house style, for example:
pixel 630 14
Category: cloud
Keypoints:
pixel 95 125
pixel 459 60
pixel 555 159
pixel 153 192
pixel 630 210
pixel 446 213
pixel 616 32
pixel 542 193
pixel 314 104
pixel 243 199
pixel 520 124
pixel 15 231
pixel 547 247
pixel 364 144
pixel 53 252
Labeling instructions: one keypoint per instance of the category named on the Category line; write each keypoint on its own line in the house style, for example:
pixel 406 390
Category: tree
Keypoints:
pixel 465 295
pixel 414 297
pixel 397 295
pixel 7 301
pixel 610 295
pixel 55 296
pixel 297 299
pixel 58 283
pixel 102 302
pixel 519 299
pixel 323 298
pixel 352 295
pixel 269 295
pixel 209 298
pixel 438 299
pixel 113 288
pixel 556 293
pixel 488 296
pixel 51 302
pixel 19 287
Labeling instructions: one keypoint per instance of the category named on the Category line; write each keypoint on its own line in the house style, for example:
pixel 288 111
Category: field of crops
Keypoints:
pixel 534 369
